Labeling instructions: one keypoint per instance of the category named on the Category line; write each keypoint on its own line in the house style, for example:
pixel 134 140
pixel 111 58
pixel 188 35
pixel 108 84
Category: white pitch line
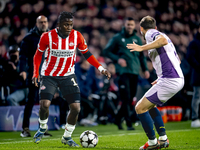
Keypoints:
pixel 122 134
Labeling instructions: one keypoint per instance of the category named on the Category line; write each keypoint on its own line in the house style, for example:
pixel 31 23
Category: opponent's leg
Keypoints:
pixel 159 124
pixel 142 108
pixel 70 125
pixel 43 119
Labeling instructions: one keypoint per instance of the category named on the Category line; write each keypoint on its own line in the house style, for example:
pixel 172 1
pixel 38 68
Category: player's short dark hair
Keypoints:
pixel 129 19
pixel 148 22
pixel 63 15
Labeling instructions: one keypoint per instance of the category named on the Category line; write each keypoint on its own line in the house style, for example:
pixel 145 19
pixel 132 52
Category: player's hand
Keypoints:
pixel 146 74
pixel 36 80
pixel 134 47
pixel 122 62
pixel 154 82
pixel 23 75
pixel 106 73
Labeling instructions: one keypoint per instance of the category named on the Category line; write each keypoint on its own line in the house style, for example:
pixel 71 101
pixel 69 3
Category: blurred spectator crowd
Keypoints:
pixel 98 21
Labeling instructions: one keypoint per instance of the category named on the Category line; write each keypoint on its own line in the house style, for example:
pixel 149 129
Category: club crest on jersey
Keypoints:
pixel 71 44
pixel 42 87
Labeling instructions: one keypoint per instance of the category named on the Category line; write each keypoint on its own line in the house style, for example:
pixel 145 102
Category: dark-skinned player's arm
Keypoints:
pixel 38 57
pixel 82 46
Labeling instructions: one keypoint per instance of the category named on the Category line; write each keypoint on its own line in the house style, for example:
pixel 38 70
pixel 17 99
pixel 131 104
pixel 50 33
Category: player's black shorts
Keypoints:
pixel 66 84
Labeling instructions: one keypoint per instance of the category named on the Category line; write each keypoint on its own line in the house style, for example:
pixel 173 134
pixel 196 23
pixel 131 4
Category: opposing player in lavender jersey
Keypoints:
pixel 170 80
pixel 60 46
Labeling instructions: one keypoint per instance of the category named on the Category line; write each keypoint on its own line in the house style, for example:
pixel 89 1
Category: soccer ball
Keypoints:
pixel 88 139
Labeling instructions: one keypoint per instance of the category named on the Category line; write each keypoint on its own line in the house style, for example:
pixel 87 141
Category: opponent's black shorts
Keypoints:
pixel 66 84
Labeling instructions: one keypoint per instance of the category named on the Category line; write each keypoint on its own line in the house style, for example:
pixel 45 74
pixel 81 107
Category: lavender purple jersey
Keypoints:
pixel 167 65
pixel 165 59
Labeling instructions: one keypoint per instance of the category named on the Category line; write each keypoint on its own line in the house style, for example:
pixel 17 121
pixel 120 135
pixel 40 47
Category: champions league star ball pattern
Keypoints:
pixel 88 139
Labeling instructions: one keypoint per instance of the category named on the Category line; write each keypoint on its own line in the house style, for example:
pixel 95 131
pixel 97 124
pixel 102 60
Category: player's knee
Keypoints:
pixel 139 109
pixel 44 105
pixel 75 108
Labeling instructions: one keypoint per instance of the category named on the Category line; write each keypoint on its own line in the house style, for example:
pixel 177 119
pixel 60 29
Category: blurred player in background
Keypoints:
pixel 27 50
pixel 170 80
pixel 58 71
pixel 193 57
pixel 127 66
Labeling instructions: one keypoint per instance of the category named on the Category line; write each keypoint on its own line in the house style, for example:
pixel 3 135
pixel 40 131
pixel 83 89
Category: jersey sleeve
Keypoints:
pixel 81 43
pixel 44 42
pixel 42 46
pixel 36 63
pixel 151 35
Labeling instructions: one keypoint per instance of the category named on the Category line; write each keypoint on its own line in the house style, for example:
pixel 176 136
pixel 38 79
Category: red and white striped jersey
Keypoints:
pixel 60 53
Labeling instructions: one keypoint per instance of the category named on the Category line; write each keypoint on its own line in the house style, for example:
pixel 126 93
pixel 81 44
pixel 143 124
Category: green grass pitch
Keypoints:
pixel 181 137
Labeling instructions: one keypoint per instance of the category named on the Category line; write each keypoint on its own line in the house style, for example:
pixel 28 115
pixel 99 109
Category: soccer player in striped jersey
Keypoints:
pixel 170 81
pixel 60 46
